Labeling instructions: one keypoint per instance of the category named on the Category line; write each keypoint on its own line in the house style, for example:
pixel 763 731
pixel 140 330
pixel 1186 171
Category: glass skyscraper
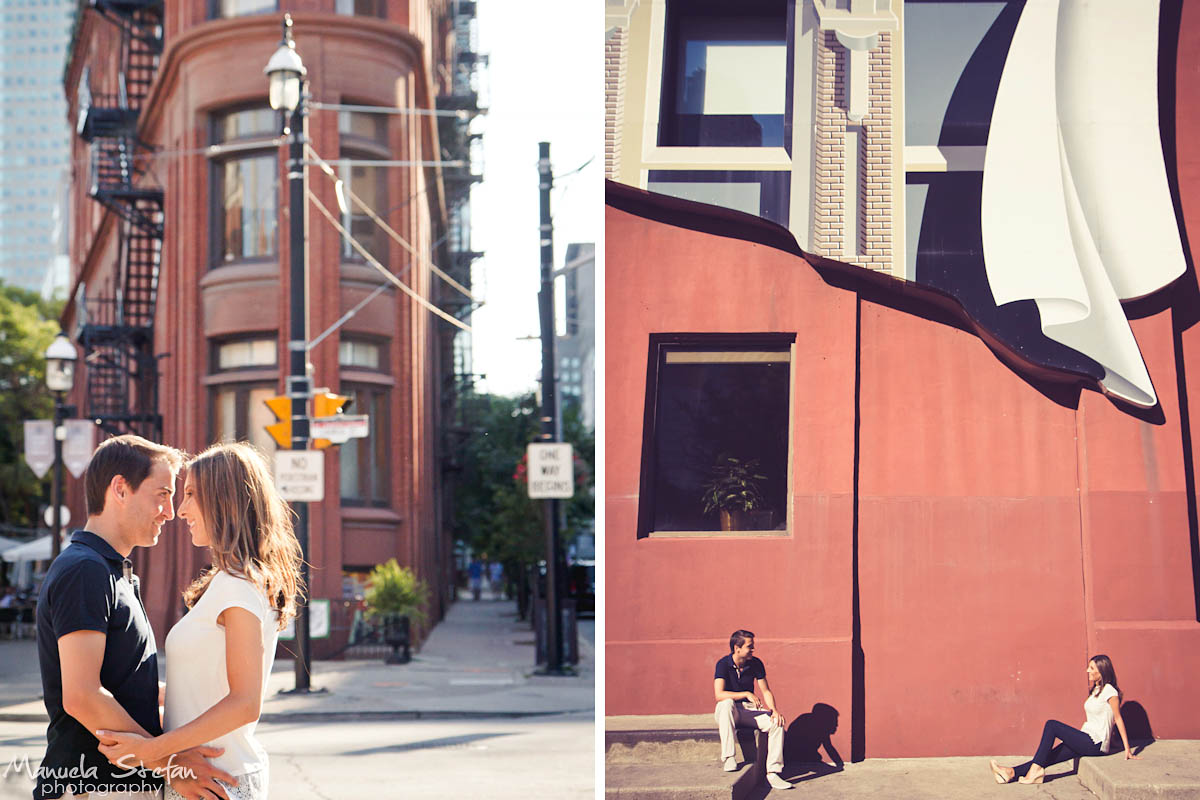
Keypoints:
pixel 34 142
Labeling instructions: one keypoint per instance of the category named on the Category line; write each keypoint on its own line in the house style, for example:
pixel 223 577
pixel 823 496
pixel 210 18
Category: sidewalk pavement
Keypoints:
pixel 477 662
pixel 674 757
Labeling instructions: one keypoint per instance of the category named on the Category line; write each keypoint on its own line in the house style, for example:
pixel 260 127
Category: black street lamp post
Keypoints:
pixel 286 72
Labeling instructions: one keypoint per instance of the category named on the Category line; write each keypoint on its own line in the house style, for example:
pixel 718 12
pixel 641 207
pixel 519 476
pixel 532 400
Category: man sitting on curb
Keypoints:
pixel 734 682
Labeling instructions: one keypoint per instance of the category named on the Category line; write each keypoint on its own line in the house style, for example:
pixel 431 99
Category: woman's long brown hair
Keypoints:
pixel 249 525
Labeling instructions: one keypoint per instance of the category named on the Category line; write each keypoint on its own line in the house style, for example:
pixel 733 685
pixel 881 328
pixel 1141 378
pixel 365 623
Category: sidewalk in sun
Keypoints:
pixel 477 662
pixel 670 757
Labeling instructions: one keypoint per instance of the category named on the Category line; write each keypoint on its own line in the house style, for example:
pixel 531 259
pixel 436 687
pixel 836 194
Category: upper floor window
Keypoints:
pixel 240 8
pixel 361 8
pixel 245 187
pixel 364 138
pixel 725 75
pixel 247 353
pixel 358 353
pixel 363 463
pixel 715 446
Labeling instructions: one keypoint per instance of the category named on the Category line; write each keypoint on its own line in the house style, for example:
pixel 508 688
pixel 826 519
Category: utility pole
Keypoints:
pixel 554 632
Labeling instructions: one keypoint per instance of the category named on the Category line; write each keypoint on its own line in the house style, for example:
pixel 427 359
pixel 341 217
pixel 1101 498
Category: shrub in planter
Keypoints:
pixel 395 596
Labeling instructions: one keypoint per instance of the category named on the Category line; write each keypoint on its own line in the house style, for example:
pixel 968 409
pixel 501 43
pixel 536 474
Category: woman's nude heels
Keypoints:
pixel 1035 775
pixel 999 774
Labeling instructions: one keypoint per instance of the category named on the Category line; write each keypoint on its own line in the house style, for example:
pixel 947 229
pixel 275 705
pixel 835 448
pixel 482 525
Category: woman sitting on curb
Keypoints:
pixel 1102 707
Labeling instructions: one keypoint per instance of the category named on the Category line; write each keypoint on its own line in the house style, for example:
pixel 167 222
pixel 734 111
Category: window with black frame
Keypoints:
pixel 239 390
pixel 725 74
pixel 364 138
pixel 245 186
pixel 363 462
pixel 716 438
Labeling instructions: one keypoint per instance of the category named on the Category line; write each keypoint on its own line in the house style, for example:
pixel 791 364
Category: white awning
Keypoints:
pixel 37 550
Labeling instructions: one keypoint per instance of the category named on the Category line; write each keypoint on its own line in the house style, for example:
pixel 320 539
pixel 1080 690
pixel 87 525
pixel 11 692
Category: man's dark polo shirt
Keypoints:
pixel 752 669
pixel 85 590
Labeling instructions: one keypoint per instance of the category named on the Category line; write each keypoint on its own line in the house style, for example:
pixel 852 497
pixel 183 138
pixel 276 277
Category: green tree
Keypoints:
pixel 493 512
pixel 28 323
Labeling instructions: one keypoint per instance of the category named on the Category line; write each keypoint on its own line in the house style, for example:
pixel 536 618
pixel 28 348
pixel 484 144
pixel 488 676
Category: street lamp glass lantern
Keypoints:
pixel 60 364
pixel 285 71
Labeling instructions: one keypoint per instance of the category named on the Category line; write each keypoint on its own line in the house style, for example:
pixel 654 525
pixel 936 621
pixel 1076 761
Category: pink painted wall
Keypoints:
pixel 673 603
pixel 1003 537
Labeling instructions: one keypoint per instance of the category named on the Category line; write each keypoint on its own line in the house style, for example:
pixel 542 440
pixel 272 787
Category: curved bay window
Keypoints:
pixel 361 8
pixel 243 379
pixel 245 187
pixel 364 462
pixel 241 8
pixel 364 138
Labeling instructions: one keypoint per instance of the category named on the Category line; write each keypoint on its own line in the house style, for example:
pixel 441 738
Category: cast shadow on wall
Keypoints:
pixel 806 736
pixel 1137 725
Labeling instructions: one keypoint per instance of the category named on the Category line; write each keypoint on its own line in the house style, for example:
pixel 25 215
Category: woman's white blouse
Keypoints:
pixel 1099 712
pixel 196 675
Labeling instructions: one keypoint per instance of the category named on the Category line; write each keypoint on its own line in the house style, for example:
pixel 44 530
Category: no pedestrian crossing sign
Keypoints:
pixel 300 475
pixel 551 471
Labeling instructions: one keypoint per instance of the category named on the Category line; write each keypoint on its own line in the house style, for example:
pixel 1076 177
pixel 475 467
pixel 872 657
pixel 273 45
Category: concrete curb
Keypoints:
pixel 1177 773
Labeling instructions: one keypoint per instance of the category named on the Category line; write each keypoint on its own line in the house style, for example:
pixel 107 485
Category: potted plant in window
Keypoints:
pixel 396 596
pixel 734 491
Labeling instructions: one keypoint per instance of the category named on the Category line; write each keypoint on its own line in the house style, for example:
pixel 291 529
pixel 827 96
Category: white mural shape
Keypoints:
pixel 1076 211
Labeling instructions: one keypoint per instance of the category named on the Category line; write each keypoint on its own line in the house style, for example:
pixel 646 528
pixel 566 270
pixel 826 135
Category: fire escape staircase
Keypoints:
pixel 457 143
pixel 117 333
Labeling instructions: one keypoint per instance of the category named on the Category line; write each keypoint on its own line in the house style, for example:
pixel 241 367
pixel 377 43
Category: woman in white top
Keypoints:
pixel 220 654
pixel 1102 708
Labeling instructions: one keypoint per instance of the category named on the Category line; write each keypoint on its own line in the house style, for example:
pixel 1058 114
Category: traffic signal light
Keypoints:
pixel 326 404
pixel 281 431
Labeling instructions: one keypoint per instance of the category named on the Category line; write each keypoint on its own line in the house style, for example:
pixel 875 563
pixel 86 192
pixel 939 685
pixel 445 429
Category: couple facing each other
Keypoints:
pixel 99 663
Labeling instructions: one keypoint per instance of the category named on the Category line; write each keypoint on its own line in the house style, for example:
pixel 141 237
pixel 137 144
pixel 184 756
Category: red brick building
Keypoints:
pixel 180 271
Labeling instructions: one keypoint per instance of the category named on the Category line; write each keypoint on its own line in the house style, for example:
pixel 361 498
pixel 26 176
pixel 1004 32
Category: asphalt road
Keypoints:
pixel 508 759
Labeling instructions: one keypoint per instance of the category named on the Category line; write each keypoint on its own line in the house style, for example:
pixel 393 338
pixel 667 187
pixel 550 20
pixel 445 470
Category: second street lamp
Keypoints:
pixel 285 72
pixel 60 378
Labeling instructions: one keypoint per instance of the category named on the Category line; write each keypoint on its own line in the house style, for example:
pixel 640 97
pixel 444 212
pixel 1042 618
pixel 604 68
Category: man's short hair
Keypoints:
pixel 129 456
pixel 738 639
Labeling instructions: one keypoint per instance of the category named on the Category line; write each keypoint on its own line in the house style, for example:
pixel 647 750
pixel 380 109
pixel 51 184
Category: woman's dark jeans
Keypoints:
pixel 1074 743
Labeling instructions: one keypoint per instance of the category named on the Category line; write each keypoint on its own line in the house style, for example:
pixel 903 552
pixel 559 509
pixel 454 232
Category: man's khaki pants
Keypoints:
pixel 732 715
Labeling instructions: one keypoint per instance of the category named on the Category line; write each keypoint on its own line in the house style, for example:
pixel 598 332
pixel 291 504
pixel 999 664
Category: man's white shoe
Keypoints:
pixel 777 782
pixel 731 764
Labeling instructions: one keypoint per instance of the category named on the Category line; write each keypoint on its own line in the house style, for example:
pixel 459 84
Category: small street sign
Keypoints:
pixel 300 475
pixel 79 444
pixel 318 621
pixel 39 445
pixel 551 471
pixel 340 428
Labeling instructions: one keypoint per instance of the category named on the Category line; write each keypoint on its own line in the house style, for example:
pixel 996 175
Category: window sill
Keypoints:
pixel 378 516
pixel 248 375
pixel 719 534
pixel 262 269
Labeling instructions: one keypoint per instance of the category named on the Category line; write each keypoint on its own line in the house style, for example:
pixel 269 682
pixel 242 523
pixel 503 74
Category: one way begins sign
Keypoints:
pixel 551 471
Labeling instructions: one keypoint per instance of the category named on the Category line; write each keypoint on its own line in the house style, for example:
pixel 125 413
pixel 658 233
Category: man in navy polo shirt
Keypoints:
pixel 97 653
pixel 735 680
